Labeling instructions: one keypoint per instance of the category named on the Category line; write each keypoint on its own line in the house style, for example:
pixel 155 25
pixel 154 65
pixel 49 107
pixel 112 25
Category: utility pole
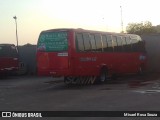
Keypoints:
pixel 16 31
pixel 121 20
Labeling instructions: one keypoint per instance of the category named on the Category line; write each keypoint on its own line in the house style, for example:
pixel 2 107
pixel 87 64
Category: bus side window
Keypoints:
pixel 124 44
pixel 79 42
pixel 104 40
pixel 93 42
pixel 87 44
pixel 109 41
pixel 115 46
pixel 134 45
pixel 140 45
pixel 119 42
pixel 128 46
pixel 98 42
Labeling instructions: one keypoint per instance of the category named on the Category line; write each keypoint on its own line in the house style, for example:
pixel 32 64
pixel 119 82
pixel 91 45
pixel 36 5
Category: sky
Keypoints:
pixel 34 16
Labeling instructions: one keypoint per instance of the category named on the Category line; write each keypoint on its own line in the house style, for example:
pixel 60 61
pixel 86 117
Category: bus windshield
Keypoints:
pixel 53 41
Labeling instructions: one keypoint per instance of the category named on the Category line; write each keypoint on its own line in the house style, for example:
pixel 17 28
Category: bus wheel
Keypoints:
pixel 69 80
pixel 103 76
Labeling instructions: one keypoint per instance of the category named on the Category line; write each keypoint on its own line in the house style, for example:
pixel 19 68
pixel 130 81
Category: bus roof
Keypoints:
pixel 85 30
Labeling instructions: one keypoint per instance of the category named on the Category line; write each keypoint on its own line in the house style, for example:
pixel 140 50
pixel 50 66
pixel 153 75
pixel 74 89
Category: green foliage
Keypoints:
pixel 141 28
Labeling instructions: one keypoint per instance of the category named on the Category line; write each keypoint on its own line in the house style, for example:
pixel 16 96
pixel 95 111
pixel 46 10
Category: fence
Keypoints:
pixel 153 51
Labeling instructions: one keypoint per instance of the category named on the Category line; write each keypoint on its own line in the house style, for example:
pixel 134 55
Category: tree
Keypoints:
pixel 141 28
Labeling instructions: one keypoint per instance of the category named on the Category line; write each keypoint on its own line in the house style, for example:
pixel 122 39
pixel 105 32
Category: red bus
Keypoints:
pixel 83 55
pixel 9 61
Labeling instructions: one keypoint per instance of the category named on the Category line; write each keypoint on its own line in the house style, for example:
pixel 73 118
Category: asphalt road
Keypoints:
pixel 31 93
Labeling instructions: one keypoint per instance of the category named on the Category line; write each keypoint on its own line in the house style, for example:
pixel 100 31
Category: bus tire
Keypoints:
pixel 103 76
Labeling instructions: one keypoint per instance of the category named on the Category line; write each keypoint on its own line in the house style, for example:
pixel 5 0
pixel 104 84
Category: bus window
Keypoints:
pixel 98 42
pixel 128 45
pixel 93 42
pixel 115 46
pixel 109 41
pixel 119 42
pixel 79 42
pixel 124 43
pixel 104 40
pixel 137 44
pixel 87 44
pixel 53 41
pixel 141 46
pixel 134 44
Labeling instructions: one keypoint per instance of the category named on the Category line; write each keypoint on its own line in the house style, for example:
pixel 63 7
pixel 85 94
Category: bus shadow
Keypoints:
pixel 131 81
pixel 134 81
pixel 8 77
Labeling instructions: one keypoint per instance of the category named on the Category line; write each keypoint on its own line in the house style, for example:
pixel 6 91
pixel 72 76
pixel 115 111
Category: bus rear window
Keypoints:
pixel 53 41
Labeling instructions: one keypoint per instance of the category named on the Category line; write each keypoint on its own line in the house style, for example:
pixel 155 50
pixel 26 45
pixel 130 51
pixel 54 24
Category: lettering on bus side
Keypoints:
pixel 88 59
